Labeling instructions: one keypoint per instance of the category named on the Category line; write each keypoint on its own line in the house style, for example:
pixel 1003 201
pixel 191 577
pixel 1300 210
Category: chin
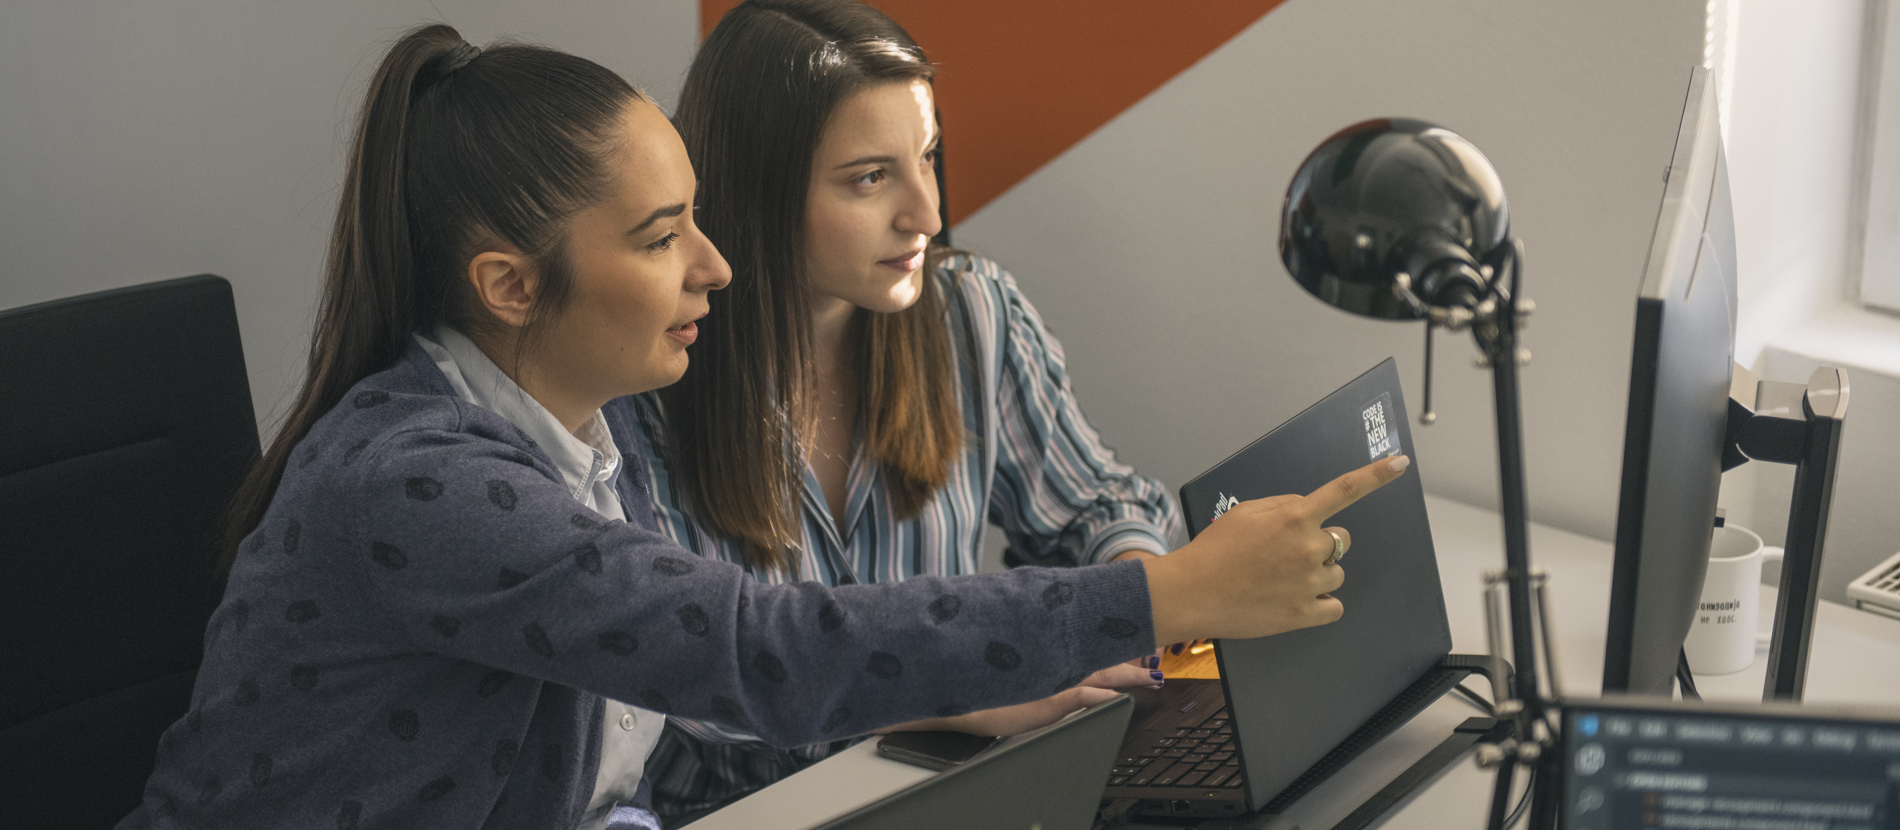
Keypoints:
pixel 660 373
pixel 901 296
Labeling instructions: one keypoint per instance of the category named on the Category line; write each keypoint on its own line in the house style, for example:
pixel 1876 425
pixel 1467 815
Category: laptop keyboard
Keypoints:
pixel 1200 754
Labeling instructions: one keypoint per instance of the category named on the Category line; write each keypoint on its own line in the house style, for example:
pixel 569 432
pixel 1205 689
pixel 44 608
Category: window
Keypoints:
pixel 1880 220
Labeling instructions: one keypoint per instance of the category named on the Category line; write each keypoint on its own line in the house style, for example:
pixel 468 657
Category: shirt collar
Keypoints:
pixel 585 457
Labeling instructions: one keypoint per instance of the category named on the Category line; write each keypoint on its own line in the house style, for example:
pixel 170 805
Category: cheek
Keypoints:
pixel 833 239
pixel 629 311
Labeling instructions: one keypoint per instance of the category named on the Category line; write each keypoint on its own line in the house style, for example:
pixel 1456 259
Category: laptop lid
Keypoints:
pixel 1049 779
pixel 1295 696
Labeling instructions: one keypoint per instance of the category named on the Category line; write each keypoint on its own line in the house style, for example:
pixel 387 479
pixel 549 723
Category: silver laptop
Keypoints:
pixel 1050 779
pixel 1279 719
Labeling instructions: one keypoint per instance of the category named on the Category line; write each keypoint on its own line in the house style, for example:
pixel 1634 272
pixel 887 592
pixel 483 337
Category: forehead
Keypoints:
pixel 900 113
pixel 650 168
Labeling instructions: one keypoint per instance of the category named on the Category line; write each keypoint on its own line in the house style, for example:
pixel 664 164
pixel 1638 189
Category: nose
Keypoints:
pixel 918 214
pixel 708 271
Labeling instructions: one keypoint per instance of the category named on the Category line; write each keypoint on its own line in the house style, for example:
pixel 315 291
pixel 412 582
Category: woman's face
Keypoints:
pixel 872 204
pixel 641 272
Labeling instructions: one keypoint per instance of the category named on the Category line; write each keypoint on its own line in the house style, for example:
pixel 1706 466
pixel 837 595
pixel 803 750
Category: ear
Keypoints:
pixel 505 284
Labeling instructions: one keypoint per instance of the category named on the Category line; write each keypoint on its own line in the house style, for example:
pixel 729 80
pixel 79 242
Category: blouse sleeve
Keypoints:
pixel 1060 494
pixel 472 552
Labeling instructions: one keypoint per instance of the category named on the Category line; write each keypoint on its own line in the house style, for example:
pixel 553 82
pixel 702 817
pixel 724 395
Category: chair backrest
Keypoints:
pixel 125 427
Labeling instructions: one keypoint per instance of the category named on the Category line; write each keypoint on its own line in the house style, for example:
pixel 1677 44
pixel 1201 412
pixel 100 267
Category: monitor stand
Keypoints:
pixel 1789 423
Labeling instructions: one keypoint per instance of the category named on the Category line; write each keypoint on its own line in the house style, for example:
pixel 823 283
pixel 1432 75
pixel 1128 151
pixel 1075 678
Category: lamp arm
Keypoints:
pixel 1495 327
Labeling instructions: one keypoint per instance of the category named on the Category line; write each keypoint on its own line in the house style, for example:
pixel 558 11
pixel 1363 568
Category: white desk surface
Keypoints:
pixel 1856 659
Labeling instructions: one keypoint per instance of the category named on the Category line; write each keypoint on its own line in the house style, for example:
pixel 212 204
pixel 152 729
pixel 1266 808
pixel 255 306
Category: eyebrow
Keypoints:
pixel 663 213
pixel 935 139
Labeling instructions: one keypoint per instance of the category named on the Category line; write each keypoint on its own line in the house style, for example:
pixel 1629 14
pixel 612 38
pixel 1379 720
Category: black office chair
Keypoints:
pixel 125 426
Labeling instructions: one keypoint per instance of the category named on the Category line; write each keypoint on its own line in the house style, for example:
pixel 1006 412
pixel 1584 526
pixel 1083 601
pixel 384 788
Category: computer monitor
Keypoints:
pixel 1678 399
pixel 1656 763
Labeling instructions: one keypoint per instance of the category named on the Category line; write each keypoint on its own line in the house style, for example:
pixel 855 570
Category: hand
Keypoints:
pixel 1261 569
pixel 1036 714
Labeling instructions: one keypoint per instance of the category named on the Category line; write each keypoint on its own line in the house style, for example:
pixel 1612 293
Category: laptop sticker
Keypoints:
pixel 1224 504
pixel 1381 439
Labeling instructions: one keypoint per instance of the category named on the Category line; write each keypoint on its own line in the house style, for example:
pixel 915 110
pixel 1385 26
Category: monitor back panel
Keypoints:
pixel 1678 412
pixel 1295 696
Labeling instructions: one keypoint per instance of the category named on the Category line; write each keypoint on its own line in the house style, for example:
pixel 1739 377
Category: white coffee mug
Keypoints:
pixel 1726 632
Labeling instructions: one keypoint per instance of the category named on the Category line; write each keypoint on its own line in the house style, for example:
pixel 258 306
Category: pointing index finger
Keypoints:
pixel 1340 493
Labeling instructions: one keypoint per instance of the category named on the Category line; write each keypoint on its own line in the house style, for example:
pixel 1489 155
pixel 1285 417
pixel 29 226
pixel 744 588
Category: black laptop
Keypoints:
pixel 1275 723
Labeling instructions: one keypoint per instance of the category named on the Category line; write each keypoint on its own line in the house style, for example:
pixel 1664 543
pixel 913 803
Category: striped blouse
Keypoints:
pixel 1033 466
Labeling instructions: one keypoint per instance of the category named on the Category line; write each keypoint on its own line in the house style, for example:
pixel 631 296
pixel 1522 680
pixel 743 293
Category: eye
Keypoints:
pixel 930 158
pixel 664 242
pixel 870 178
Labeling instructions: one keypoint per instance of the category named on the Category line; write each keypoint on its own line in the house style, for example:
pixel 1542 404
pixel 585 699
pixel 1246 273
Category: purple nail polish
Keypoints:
pixel 1155 675
pixel 1176 648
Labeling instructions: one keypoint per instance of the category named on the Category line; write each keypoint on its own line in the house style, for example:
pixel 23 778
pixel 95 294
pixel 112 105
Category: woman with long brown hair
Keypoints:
pixel 863 401
pixel 450 605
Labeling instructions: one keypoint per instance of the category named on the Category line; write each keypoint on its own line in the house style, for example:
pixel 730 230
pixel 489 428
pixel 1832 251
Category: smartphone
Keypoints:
pixel 933 750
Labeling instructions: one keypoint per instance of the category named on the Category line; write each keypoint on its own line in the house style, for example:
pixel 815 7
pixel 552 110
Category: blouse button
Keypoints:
pixel 626 721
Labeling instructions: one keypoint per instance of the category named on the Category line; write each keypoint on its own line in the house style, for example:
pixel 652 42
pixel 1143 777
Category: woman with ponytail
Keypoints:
pixel 448 604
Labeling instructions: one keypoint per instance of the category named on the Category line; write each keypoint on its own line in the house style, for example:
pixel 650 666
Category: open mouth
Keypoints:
pixel 686 332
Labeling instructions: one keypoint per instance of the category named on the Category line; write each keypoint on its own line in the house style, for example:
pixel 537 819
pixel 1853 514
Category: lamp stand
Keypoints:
pixel 1495 320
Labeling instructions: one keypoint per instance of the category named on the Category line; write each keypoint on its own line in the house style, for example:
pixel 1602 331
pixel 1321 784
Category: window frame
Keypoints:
pixel 1877 235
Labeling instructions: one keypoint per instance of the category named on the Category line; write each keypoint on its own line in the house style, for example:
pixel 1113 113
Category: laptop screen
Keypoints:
pixel 1296 696
pixel 1630 764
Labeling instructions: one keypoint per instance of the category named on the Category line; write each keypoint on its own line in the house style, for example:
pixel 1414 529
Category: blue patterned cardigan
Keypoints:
pixel 420 632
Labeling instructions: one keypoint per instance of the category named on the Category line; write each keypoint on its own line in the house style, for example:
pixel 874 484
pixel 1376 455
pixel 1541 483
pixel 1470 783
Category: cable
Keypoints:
pixel 1523 801
pixel 1474 699
pixel 1686 678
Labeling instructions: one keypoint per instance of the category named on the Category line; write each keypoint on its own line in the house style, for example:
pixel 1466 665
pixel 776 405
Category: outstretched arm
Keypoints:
pixel 463 535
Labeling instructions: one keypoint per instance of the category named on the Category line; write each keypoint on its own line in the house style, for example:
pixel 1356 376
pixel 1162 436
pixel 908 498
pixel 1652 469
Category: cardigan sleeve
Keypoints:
pixel 473 552
pixel 1061 495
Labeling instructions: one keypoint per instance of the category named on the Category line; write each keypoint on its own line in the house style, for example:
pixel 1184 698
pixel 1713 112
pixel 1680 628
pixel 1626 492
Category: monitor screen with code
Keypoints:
pixel 1678 765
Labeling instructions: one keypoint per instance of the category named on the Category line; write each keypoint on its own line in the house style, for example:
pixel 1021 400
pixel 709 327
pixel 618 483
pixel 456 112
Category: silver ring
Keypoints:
pixel 1339 546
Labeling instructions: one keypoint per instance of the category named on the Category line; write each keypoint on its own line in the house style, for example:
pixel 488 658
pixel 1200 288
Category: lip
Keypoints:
pixel 687 332
pixel 907 263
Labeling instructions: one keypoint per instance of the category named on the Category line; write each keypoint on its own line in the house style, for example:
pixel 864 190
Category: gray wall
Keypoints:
pixel 1150 246
pixel 140 141
pixel 147 140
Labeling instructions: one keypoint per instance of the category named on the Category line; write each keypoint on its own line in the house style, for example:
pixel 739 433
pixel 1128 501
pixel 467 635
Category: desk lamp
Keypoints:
pixel 1399 219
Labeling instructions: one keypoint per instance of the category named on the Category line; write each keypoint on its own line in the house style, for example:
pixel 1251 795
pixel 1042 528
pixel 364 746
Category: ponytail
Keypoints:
pixel 457 148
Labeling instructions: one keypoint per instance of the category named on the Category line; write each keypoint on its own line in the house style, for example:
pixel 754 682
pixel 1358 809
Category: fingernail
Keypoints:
pixel 1155 675
pixel 1154 661
pixel 1399 464
pixel 1175 649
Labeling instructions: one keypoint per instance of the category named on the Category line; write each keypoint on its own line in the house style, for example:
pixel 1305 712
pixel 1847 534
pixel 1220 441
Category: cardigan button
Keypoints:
pixel 626 721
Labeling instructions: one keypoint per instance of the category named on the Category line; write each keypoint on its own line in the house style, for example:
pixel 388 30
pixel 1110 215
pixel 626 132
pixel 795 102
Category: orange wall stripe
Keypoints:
pixel 1021 81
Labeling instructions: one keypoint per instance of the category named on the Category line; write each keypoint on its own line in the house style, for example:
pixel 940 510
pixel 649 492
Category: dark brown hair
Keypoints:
pixel 457 148
pixel 752 112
